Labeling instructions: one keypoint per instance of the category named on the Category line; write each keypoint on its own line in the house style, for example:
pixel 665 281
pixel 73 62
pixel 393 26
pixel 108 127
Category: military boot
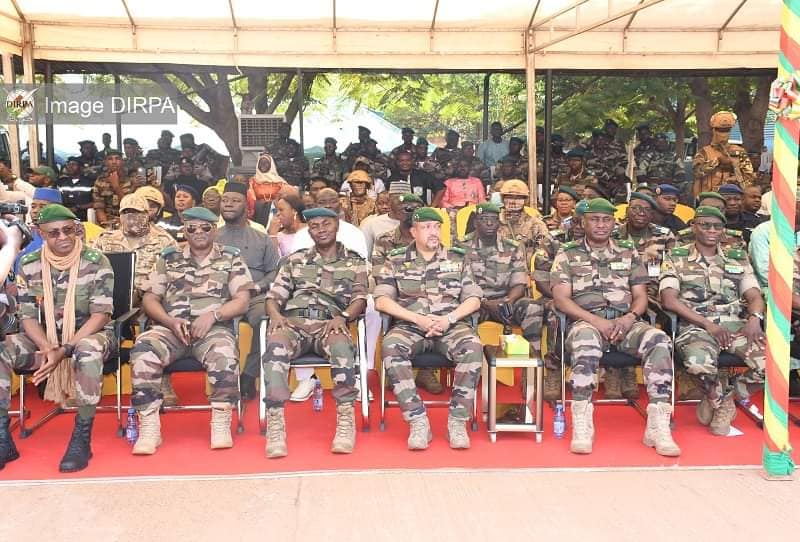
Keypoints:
pixel 149 432
pixel 705 411
pixel 582 427
pixel 276 433
pixel 221 414
pixel 552 385
pixel 8 451
pixel 79 449
pixel 723 416
pixel 688 390
pixel 419 433
pixel 345 438
pixel 612 384
pixel 426 379
pixel 170 398
pixel 630 386
pixel 457 433
pixel 657 434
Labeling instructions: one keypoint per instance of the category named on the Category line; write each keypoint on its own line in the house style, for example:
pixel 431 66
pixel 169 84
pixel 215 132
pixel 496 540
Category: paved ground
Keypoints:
pixel 695 505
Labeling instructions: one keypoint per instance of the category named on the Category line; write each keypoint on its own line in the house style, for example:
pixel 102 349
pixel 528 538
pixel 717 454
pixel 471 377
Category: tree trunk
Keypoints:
pixel 703 109
pixel 752 102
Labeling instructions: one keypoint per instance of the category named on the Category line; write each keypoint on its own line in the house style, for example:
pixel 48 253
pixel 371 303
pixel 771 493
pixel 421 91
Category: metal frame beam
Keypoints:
pixel 533 15
pixel 555 15
pixel 728 21
pixel 435 13
pixel 29 78
pixel 21 15
pixel 596 24
pixel 13 127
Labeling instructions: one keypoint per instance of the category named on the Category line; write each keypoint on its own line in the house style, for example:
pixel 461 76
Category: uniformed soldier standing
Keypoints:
pixel 330 165
pixel 76 301
pixel 316 294
pixel 721 162
pixel 429 291
pixel 191 297
pixel 164 155
pixel 358 205
pixel 704 286
pixel 600 284
pixel 576 175
pixel 500 269
pixel 660 165
pixel 515 223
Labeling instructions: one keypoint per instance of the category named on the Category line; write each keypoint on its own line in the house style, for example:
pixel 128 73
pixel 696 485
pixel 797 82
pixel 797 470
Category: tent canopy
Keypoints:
pixel 416 34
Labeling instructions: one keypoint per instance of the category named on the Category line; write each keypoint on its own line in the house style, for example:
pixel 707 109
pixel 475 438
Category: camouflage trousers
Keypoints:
pixel 551 361
pixel 527 314
pixel 158 347
pixel 699 352
pixel 17 353
pixel 305 336
pixel 255 313
pixel 460 344
pixel 586 345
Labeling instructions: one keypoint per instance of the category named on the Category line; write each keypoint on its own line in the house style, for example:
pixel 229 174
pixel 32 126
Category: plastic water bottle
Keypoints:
pixel 132 428
pixel 316 398
pixel 559 422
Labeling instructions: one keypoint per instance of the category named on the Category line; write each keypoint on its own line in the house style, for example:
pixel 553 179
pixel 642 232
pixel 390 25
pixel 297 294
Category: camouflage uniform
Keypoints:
pixel 164 158
pixel 384 244
pixel 310 290
pixel 714 290
pixel 565 178
pixel 331 168
pixel 609 166
pixel 652 248
pixel 354 212
pixel 479 170
pixel 106 199
pixel 353 151
pixel 601 284
pixel 429 166
pixel 520 167
pixel 434 287
pixel 497 269
pixel 294 170
pixel 187 289
pixel 665 166
pixel 643 147
pixel 730 239
pixel 93 295
pixel 710 174
pixel 445 158
pixel 528 231
pixel 147 248
pixel 279 150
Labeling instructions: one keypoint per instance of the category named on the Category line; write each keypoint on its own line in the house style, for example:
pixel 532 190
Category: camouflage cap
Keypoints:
pixel 426 214
pixel 710 195
pixel 722 119
pixel 487 207
pixel 514 187
pixel 135 202
pixel 199 213
pixel 712 212
pixel 408 197
pixel 319 212
pixel 55 212
pixel 644 197
pixel 600 206
pixel 151 193
pixel 359 176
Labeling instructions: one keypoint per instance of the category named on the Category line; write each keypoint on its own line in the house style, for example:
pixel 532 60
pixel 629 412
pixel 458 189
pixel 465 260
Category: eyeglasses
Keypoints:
pixel 637 209
pixel 193 228
pixel 410 208
pixel 68 231
pixel 706 226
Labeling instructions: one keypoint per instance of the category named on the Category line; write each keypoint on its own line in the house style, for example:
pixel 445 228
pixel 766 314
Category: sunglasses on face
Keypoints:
pixel 205 228
pixel 68 231
pixel 410 208
pixel 706 226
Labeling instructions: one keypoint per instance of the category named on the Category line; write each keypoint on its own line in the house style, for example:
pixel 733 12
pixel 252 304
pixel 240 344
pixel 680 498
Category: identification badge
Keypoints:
pixel 734 269
pixel 448 267
pixel 619 266
pixel 653 270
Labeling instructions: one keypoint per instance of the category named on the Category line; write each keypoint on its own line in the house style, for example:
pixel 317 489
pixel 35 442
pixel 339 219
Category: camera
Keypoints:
pixel 7 208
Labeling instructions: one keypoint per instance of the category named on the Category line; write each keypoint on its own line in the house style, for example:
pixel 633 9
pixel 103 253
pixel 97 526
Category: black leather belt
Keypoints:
pixel 312 313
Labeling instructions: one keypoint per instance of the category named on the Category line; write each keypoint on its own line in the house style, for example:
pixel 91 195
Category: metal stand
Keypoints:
pixel 533 393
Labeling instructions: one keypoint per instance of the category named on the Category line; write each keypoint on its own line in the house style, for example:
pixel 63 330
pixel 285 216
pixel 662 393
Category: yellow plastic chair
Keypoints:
pixel 92 231
pixel 446 238
pixel 684 212
pixel 462 218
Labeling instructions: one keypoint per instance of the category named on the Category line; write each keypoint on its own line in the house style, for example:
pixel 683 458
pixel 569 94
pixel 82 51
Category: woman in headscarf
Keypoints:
pixel 264 187
pixel 185 198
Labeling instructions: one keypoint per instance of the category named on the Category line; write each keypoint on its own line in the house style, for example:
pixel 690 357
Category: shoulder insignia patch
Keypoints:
pixel 92 255
pixel 625 243
pixel 34 256
pixel 169 250
pixel 398 251
pixel 735 254
pixel 511 242
pixel 570 244
pixel 231 250
pixel 733 233
pixel 685 232
pixel 457 250
pixel 679 251
pixel 664 230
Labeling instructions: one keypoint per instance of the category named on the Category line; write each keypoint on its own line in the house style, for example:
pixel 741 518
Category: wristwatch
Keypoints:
pixel 68 349
pixel 216 316
pixel 451 319
pixel 759 315
pixel 346 315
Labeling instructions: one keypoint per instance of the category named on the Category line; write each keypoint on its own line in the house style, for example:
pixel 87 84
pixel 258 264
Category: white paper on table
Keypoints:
pixel 733 432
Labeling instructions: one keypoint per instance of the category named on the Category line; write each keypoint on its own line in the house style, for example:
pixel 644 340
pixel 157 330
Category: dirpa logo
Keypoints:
pixel 20 105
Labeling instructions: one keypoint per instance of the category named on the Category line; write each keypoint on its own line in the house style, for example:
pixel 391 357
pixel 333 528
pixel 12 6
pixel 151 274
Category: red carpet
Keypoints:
pixel 185 449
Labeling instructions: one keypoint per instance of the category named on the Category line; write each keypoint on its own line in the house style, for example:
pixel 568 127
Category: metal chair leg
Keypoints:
pixel 382 425
pixel 363 367
pixel 262 406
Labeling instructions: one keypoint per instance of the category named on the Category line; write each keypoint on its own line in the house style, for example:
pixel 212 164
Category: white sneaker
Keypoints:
pixel 304 390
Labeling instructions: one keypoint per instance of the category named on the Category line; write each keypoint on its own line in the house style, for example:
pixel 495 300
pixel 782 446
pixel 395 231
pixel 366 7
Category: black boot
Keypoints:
pixel 79 449
pixel 8 452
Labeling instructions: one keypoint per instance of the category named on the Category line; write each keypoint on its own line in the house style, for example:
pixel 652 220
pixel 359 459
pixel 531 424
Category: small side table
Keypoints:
pixel 534 378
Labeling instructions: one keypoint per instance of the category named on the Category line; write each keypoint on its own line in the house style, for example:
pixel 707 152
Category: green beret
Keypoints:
pixel 644 197
pixel 408 197
pixel 200 213
pixel 319 212
pixel 426 214
pixel 600 205
pixel 568 191
pixel 581 207
pixel 707 210
pixel 111 152
pixel 55 212
pixel 487 207
pixel 713 195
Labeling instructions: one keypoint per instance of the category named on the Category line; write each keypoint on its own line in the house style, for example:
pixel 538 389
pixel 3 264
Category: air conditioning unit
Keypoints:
pixel 256 131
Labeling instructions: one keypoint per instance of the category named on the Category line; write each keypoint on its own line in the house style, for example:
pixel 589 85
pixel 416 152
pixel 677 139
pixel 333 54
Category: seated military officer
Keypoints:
pixel 76 300
pixel 704 285
pixel 191 297
pixel 429 291
pixel 499 268
pixel 316 293
pixel 600 284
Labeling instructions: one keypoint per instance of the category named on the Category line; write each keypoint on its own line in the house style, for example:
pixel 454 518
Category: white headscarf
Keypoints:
pixel 271 176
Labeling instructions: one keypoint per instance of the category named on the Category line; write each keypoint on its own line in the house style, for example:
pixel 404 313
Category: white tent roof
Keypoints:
pixel 412 34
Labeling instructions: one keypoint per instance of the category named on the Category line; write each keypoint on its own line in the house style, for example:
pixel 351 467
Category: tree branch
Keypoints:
pixel 181 99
